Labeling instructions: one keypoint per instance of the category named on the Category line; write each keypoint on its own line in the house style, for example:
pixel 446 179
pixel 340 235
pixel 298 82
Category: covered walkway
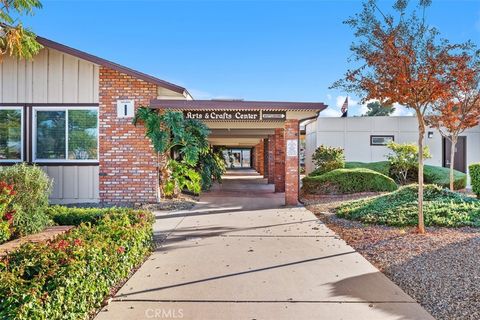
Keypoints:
pixel 241 254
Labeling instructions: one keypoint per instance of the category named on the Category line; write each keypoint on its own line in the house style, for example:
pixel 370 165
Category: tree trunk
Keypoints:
pixel 421 136
pixel 452 161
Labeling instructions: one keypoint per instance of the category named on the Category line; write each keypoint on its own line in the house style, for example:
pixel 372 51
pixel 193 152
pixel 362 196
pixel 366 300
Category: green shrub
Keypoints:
pixel 475 178
pixel 69 277
pixel 400 208
pixel 341 181
pixel 403 161
pixel 382 167
pixel 6 212
pixel 327 159
pixel 441 176
pixel 432 174
pixel 32 188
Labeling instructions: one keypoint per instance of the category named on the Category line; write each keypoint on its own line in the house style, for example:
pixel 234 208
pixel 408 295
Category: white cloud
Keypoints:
pixel 401 110
pixel 330 112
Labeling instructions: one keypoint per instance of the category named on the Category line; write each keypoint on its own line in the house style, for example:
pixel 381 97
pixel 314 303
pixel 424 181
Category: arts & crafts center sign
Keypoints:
pixel 216 115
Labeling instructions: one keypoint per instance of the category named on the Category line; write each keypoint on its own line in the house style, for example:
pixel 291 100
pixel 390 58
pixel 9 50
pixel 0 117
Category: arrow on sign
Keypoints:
pixel 273 116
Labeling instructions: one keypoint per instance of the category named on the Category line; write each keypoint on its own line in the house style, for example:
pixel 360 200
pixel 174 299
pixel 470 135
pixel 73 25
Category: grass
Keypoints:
pixel 432 174
pixel 441 208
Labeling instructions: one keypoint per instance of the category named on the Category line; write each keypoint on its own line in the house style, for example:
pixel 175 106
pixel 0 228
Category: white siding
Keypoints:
pixel 353 134
pixel 73 184
pixel 51 77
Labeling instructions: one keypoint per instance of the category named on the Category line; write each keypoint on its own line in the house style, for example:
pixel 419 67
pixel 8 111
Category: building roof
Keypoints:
pixel 109 64
pixel 235 105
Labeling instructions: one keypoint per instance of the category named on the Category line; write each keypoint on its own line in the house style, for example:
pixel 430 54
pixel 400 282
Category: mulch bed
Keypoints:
pixel 441 269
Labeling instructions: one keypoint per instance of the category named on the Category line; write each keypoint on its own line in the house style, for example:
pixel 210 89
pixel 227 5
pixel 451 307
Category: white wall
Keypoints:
pixel 353 134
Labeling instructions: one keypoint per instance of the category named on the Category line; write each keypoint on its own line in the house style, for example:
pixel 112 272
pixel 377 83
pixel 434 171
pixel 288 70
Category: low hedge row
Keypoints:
pixel 432 174
pixel 68 278
pixel 475 178
pixel 341 181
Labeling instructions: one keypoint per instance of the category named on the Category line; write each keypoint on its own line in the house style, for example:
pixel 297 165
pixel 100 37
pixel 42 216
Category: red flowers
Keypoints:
pixel 7 189
pixel 62 245
pixel 9 215
pixel 120 249
pixel 77 242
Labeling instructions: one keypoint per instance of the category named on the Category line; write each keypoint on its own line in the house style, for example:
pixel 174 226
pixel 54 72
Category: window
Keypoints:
pixel 11 134
pixel 381 140
pixel 66 134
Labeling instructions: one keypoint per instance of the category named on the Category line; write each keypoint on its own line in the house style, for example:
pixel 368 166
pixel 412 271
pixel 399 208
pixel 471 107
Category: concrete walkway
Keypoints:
pixel 239 254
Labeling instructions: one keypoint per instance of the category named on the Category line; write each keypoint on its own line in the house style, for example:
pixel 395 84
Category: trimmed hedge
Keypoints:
pixel 432 174
pixel 400 208
pixel 475 178
pixel 69 277
pixel 342 181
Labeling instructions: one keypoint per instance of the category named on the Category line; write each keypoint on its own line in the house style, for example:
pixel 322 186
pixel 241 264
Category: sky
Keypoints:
pixel 252 50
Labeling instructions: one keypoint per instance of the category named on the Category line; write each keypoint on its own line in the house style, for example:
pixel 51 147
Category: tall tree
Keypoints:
pixel 401 60
pixel 376 109
pixel 15 40
pixel 460 109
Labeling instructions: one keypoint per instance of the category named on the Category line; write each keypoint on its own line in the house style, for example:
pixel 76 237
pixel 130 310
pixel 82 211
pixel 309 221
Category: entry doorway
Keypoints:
pixel 460 162
pixel 237 158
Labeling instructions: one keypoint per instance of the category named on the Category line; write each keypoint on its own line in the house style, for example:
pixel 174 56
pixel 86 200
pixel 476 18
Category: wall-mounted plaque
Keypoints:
pixel 292 148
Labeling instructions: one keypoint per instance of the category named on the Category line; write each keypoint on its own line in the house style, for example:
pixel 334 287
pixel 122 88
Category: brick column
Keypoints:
pixel 260 158
pixel 265 158
pixel 279 160
pixel 128 164
pixel 291 163
pixel 271 159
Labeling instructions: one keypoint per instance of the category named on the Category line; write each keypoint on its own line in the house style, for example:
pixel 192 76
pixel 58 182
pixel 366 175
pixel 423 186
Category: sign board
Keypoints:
pixel 216 115
pixel 274 115
pixel 244 115
pixel 125 108
pixel 292 148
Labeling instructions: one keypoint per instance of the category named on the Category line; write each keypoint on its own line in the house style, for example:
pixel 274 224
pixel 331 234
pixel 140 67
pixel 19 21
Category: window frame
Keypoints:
pixel 35 109
pixel 381 136
pixel 22 134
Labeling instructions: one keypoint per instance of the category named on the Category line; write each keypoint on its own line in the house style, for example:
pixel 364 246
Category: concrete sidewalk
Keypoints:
pixel 240 255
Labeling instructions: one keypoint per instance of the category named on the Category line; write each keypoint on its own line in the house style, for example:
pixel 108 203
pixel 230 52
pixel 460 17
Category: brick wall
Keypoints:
pixel 128 165
pixel 271 159
pixel 291 165
pixel 260 157
pixel 279 160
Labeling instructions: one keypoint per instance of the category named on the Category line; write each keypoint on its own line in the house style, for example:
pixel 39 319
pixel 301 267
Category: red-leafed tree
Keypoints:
pixel 400 59
pixel 460 109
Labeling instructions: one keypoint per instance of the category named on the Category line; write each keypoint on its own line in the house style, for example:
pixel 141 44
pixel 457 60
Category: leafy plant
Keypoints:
pixel 32 188
pixel 212 166
pixel 403 160
pixel 327 159
pixel 341 181
pixel 69 277
pixel 474 170
pixel 6 212
pixel 442 208
pixel 376 109
pixel 15 40
pixel 182 142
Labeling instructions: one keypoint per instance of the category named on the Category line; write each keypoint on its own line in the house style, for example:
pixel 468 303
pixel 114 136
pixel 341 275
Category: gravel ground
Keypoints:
pixel 183 202
pixel 441 269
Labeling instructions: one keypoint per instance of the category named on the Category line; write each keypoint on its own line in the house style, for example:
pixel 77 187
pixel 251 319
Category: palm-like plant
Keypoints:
pixel 179 144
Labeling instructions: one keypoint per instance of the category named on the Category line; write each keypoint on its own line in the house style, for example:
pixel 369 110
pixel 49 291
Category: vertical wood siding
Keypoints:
pixel 51 77
pixel 73 184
